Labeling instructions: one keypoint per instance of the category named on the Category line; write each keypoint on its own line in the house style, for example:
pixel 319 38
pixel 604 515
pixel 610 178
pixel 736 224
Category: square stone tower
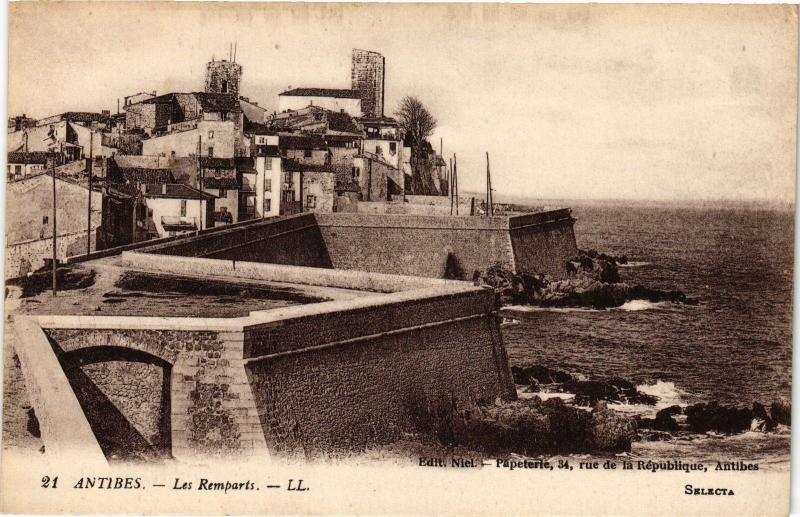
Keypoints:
pixel 223 77
pixel 368 73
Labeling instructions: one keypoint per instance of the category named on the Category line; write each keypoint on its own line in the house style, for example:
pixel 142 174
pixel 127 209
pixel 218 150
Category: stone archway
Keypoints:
pixel 125 395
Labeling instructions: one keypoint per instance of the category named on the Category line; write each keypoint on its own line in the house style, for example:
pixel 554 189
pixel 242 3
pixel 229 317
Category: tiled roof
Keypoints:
pixel 341 122
pixel 323 92
pixel 175 191
pixel 208 101
pixel 224 182
pixel 144 175
pixel 378 121
pixel 208 162
pixel 268 150
pixel 30 157
pixel 301 142
pixel 290 165
pixel 256 128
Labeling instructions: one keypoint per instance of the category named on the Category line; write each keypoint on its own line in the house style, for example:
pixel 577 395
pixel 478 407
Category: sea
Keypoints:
pixel 734 346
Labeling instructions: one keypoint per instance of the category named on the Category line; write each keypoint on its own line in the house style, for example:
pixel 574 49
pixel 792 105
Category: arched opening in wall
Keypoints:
pixel 125 395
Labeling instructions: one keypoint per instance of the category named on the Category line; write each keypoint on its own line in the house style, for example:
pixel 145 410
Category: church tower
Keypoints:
pixel 224 76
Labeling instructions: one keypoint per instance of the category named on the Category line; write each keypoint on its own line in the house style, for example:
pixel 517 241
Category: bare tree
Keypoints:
pixel 416 121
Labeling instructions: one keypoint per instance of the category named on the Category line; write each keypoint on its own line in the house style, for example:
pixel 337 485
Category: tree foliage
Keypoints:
pixel 416 121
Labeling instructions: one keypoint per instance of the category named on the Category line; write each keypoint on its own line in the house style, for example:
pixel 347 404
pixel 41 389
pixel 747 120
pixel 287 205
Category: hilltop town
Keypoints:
pixel 178 162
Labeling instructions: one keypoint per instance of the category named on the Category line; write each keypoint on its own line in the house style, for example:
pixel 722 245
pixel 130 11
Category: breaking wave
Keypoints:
pixel 533 308
pixel 639 305
pixel 634 263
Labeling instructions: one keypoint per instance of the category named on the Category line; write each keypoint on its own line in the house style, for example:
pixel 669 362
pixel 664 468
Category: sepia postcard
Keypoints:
pixel 242 277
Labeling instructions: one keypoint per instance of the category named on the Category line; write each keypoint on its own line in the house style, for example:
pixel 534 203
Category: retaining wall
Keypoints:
pixel 375 371
pixel 413 245
pixel 287 380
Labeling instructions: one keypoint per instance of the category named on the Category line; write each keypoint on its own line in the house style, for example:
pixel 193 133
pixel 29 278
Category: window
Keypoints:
pixel 211 135
pixel 223 115
pixel 393 148
pixel 172 154
pixel 267 205
pixel 356 173
pixel 210 151
pixel 18 170
pixel 268 185
pixel 224 86
pixel 311 201
pixel 45 220
pixel 223 193
pixel 268 163
pixel 377 149
pixel 183 208
pixel 307 153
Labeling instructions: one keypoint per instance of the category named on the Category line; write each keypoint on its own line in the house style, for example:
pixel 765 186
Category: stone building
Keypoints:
pixel 29 221
pixel 223 77
pixel 367 74
pixel 22 165
pixel 175 208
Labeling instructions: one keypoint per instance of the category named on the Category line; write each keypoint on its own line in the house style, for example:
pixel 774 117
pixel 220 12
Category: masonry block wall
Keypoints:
pixel 368 72
pixel 294 240
pixel 151 393
pixel 341 382
pixel 542 243
pixel 223 77
pixel 414 245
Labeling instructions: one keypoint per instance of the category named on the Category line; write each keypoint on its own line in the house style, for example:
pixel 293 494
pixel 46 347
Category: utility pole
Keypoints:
pixel 200 171
pixel 89 208
pixel 450 185
pixel 455 178
pixel 55 252
pixel 489 200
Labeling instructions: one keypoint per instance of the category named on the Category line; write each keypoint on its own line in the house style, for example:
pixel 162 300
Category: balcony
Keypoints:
pixel 173 223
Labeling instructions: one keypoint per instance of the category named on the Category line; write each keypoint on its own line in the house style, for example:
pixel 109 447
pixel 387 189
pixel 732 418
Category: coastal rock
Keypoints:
pixel 539 374
pixel 714 417
pixel 611 431
pixel 592 280
pixel 664 420
pixel 781 411
pixel 588 393
pixel 761 419
pixel 534 426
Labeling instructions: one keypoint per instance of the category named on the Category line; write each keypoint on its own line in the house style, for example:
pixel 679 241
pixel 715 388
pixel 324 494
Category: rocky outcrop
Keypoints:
pixel 611 431
pixel 781 411
pixel 592 280
pixel 703 418
pixel 533 426
pixel 669 423
pixel 587 392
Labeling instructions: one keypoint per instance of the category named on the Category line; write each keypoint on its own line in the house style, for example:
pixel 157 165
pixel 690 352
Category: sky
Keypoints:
pixel 677 102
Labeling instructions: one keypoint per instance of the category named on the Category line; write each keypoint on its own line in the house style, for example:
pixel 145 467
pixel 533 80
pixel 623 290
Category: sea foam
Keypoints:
pixel 639 305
